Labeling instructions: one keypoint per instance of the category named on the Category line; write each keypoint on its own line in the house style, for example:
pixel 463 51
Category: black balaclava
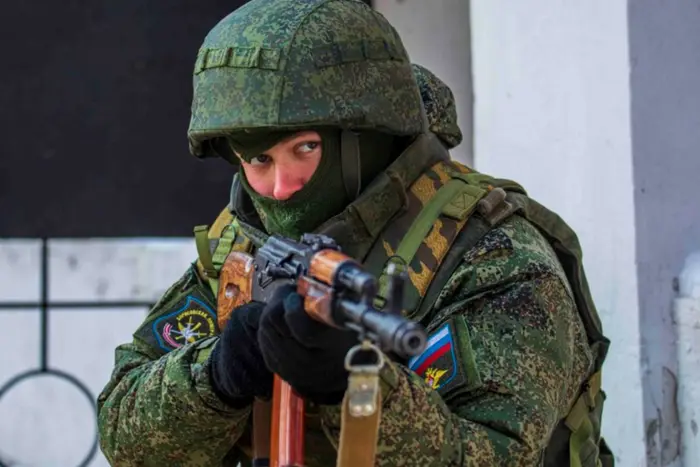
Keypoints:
pixel 324 195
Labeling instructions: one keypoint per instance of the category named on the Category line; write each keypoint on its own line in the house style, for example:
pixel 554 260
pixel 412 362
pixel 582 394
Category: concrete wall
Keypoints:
pixel 665 84
pixel 80 341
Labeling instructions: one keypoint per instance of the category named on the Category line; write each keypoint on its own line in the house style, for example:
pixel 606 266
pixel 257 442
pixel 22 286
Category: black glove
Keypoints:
pixel 307 354
pixel 238 371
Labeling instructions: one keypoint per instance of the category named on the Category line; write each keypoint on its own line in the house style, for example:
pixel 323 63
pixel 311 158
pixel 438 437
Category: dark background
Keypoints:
pixel 94 108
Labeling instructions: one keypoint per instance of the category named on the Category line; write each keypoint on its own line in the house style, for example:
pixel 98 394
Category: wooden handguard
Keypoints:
pixel 316 287
pixel 235 285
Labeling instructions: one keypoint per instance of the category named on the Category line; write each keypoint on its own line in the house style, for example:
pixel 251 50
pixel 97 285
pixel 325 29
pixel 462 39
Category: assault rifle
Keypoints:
pixel 338 292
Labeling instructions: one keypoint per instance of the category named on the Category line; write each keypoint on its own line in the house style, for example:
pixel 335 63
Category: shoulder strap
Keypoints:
pixel 441 201
pixel 215 243
pixel 491 210
pixel 511 199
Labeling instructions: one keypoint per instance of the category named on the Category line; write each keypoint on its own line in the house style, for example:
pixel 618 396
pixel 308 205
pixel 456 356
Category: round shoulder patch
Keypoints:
pixel 192 321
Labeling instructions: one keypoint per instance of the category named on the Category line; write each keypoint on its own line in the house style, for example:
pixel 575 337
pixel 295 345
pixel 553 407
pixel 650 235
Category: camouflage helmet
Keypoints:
pixel 439 105
pixel 286 64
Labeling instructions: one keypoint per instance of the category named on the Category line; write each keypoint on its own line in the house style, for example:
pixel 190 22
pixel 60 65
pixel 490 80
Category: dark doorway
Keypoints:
pixel 94 108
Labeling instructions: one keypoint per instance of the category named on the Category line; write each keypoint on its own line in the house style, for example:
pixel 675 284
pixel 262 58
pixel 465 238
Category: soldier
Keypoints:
pixel 316 104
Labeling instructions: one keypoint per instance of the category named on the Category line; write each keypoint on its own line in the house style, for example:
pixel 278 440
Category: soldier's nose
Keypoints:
pixel 286 184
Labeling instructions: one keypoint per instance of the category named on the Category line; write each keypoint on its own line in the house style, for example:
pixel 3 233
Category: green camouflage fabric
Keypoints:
pixel 440 107
pixel 302 64
pixel 522 355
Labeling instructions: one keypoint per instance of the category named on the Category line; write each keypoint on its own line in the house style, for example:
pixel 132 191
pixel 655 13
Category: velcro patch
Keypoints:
pixel 192 321
pixel 439 364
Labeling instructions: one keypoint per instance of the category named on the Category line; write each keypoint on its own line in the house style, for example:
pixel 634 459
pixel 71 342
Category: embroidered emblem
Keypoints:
pixel 437 365
pixel 432 377
pixel 191 322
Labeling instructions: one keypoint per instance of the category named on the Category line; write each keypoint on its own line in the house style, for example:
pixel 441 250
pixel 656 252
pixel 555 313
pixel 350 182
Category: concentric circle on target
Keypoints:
pixel 47 417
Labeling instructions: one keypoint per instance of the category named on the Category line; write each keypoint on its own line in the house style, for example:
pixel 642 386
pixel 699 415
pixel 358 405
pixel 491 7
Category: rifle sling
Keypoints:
pixel 358 437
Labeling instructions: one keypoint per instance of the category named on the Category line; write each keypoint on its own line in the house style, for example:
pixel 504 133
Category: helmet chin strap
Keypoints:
pixel 350 163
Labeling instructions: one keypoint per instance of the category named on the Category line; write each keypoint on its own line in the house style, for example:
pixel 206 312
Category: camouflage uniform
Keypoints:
pixel 515 351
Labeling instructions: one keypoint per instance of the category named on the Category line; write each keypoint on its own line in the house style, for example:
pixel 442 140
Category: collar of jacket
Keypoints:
pixel 357 227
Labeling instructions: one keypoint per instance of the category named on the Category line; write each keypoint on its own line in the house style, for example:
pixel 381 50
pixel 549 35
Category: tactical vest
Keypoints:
pixel 449 208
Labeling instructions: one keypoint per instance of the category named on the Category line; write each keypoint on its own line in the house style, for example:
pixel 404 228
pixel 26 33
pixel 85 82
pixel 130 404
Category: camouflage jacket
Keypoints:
pixel 517 355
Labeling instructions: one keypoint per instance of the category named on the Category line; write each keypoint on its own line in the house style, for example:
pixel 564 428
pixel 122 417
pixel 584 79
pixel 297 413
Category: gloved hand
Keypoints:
pixel 307 354
pixel 238 371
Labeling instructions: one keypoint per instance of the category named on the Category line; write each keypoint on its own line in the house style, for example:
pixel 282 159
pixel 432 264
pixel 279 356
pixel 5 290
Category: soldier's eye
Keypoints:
pixel 308 146
pixel 260 160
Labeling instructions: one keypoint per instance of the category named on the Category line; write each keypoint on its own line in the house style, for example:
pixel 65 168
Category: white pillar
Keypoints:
pixel 552 111
pixel 665 78
pixel 687 318
pixel 436 35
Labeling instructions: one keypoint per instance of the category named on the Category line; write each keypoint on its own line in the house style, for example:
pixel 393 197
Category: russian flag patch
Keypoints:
pixel 437 364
